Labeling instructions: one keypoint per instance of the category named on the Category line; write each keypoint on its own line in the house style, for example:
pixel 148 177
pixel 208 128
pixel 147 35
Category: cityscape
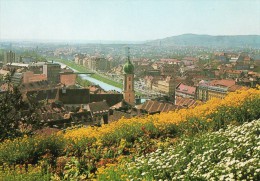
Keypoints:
pixel 127 103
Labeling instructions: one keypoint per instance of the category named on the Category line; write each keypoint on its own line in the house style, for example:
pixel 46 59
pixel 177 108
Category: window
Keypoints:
pixel 129 78
pixel 129 86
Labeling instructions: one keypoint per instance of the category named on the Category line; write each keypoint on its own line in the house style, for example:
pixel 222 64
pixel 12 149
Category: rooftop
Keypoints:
pixel 153 106
pixel 223 82
pixel 96 107
pixel 18 64
pixel 186 89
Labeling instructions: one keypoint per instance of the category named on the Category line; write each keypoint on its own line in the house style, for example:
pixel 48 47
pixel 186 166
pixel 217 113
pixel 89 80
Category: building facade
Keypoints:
pixel 68 78
pixel 52 71
pixel 9 57
pixel 215 89
pixel 166 86
pixel 29 77
pixel 98 63
pixel 183 90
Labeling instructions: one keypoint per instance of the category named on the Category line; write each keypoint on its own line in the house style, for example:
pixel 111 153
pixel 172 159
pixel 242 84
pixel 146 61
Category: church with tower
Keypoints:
pixel 128 87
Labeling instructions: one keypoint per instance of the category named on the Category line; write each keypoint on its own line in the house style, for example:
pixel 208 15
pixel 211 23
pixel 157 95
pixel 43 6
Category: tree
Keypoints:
pixel 17 116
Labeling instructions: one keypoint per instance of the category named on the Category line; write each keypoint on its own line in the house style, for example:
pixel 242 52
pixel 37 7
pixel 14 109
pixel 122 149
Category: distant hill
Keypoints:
pixel 209 41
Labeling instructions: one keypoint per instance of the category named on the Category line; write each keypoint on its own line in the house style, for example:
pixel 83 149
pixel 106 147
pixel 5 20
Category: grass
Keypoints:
pixel 108 81
pixel 15 175
pixel 82 82
pixel 71 64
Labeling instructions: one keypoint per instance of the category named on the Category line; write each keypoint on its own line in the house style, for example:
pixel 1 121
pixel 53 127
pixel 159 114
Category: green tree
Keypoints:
pixel 17 116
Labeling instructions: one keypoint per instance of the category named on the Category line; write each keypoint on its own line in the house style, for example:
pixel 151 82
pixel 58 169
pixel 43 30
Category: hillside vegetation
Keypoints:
pixel 200 143
pixel 231 154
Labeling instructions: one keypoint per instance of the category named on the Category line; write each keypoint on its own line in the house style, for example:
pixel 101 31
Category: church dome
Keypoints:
pixel 129 68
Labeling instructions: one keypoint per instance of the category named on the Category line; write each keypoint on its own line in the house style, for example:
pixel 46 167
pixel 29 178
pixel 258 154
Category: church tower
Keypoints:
pixel 128 89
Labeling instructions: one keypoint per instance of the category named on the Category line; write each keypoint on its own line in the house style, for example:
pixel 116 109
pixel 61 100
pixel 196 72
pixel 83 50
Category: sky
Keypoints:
pixel 125 20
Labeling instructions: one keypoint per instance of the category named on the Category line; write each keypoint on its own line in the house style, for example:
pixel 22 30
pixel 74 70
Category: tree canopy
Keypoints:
pixel 17 115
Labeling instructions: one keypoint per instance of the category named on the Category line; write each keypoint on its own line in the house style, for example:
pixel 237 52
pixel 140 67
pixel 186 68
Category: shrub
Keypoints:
pixel 231 154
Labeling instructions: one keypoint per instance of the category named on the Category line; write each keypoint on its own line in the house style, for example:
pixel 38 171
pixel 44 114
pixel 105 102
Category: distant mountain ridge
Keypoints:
pixel 209 41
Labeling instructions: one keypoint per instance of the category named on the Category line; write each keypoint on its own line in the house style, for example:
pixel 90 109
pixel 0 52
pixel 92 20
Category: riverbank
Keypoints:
pixel 108 81
pixel 81 68
pixel 83 82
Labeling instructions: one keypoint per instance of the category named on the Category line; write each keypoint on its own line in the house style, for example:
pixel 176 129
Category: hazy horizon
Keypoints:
pixel 124 20
pixel 102 41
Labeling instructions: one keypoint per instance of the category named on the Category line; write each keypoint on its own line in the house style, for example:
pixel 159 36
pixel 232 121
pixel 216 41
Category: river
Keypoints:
pixel 103 85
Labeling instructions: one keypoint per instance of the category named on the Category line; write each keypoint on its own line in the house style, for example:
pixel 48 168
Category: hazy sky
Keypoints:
pixel 125 19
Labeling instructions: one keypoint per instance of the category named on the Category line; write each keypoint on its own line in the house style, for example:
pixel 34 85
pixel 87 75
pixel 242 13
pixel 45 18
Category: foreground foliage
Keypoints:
pixel 82 153
pixel 231 154
pixel 17 116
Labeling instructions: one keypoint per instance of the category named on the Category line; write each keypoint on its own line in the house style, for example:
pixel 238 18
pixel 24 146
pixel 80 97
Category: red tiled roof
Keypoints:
pixel 186 89
pixel 234 88
pixel 223 82
pixel 152 106
pixel 185 102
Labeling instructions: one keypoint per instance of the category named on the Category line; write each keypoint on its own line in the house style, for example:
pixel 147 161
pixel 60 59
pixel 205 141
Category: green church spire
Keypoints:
pixel 128 67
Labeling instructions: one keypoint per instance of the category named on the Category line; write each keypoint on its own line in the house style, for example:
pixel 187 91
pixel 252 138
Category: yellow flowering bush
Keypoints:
pixel 30 149
pixel 171 122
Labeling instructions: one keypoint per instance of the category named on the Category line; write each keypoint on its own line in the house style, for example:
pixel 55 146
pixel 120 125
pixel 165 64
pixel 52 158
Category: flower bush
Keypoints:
pixel 238 107
pixel 30 149
pixel 84 152
pixel 231 154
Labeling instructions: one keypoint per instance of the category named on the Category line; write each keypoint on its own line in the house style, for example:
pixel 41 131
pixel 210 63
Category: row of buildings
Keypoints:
pixel 94 63
pixel 181 83
pixel 63 102
pixel 40 71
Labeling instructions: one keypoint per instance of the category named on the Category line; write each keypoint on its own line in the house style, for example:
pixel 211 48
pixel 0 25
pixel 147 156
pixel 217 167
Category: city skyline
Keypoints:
pixel 124 20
